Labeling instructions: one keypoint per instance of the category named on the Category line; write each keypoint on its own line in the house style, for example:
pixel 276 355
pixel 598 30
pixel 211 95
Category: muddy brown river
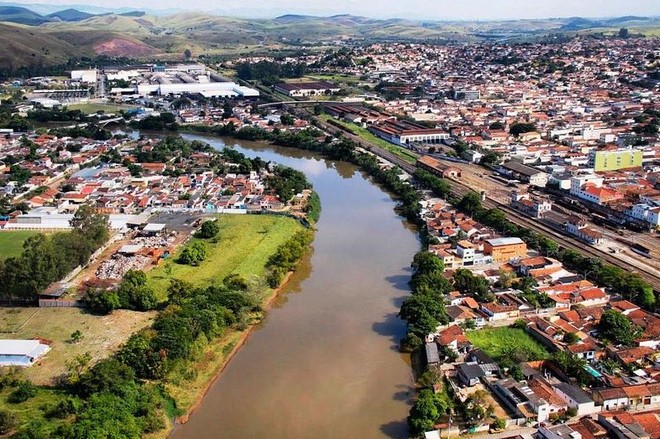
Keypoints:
pixel 324 362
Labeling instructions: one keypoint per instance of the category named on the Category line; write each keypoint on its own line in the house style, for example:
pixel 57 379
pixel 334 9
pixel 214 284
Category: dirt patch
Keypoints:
pixel 123 47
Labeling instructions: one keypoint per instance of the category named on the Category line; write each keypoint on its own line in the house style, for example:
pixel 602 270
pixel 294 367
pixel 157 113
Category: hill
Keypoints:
pixel 69 15
pixel 25 46
pixel 20 15
pixel 132 33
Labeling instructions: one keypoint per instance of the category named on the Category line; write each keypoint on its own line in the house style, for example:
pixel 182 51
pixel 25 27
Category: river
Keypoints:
pixel 324 362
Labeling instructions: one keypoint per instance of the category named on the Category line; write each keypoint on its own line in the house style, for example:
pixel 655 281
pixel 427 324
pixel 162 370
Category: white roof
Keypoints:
pixel 504 241
pixel 435 434
pixel 154 227
pixel 28 348
pixel 129 249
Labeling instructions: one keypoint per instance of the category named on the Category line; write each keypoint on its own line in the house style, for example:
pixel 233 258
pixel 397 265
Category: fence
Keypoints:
pixel 58 303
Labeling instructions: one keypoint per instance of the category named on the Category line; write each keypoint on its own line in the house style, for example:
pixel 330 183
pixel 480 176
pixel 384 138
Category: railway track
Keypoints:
pixel 565 241
pixel 460 189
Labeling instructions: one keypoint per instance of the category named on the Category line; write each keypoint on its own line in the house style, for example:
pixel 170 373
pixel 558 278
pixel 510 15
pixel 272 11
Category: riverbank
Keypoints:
pixel 216 358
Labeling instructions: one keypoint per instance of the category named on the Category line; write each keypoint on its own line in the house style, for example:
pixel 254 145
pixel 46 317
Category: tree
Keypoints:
pixel 617 328
pixel 470 203
pixel 138 354
pixel 571 338
pixel 498 424
pixel 426 262
pixel 101 301
pixel 92 226
pixel 208 230
pixel 519 128
pixel 194 253
pixel 476 407
pixel 179 291
pixel 187 54
pixel 426 411
pixel 23 392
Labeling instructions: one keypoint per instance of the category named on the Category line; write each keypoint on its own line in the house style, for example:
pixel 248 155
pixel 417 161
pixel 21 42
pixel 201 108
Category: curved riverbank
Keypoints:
pixel 327 363
pixel 222 364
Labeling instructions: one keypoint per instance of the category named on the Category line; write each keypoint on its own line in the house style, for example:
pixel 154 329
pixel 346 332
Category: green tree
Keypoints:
pixel 470 203
pixel 139 355
pixel 519 128
pixel 425 262
pixel 617 328
pixel 194 253
pixel 426 411
pixel 209 229
pixel 101 301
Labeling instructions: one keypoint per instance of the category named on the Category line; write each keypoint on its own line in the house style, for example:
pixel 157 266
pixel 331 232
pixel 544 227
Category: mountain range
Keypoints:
pixel 38 36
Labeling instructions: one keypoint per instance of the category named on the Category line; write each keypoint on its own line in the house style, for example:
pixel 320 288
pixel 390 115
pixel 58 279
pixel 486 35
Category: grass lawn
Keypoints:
pixel 245 243
pixel 101 335
pixel 11 243
pixel 364 133
pixel 32 409
pixel 90 107
pixel 493 340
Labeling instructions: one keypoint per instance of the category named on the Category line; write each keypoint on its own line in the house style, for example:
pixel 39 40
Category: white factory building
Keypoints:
pixel 209 89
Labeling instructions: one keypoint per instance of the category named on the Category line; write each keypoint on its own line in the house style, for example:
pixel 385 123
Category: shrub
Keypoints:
pixel 23 392
pixel 8 421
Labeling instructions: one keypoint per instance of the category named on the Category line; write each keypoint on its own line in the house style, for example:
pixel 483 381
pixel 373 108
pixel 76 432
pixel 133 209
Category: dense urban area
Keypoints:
pixel 532 172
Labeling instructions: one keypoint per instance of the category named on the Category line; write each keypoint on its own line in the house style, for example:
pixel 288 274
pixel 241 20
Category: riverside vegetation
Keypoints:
pixel 158 372
pixel 424 310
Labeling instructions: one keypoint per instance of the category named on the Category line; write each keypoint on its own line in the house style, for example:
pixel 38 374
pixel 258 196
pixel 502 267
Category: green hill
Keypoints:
pixel 70 15
pixel 16 14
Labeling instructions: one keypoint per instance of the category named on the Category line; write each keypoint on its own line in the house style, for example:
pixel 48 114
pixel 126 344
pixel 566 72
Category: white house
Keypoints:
pixel 576 398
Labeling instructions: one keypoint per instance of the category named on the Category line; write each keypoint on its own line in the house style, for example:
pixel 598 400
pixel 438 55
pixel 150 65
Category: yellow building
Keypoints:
pixel 611 160
pixel 505 249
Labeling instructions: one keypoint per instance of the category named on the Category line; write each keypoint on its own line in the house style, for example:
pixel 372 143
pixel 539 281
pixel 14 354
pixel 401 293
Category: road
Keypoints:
pixel 474 178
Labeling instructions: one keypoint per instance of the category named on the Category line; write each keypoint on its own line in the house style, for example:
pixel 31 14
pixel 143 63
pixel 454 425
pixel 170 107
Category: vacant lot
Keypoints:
pixel 101 335
pixel 91 108
pixel 494 340
pixel 244 244
pixel 11 243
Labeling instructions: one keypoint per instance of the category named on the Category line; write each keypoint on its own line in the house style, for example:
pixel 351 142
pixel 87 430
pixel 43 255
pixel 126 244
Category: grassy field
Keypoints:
pixel 245 243
pixel 365 134
pixel 494 340
pixel 91 107
pixel 32 409
pixel 11 243
pixel 101 335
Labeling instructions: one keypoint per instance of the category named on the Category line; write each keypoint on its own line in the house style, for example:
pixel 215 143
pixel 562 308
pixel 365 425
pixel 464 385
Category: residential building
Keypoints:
pixel 505 249
pixel 612 159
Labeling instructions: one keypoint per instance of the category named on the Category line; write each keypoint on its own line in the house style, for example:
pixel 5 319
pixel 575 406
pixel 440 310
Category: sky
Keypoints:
pixel 415 9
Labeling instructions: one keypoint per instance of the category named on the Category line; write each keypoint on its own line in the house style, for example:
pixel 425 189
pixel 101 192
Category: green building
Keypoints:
pixel 611 160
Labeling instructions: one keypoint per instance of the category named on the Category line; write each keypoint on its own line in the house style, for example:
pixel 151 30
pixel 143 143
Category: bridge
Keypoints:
pixel 105 122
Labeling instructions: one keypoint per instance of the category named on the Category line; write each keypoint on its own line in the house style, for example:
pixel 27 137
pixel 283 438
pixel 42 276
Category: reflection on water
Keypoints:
pixel 324 362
